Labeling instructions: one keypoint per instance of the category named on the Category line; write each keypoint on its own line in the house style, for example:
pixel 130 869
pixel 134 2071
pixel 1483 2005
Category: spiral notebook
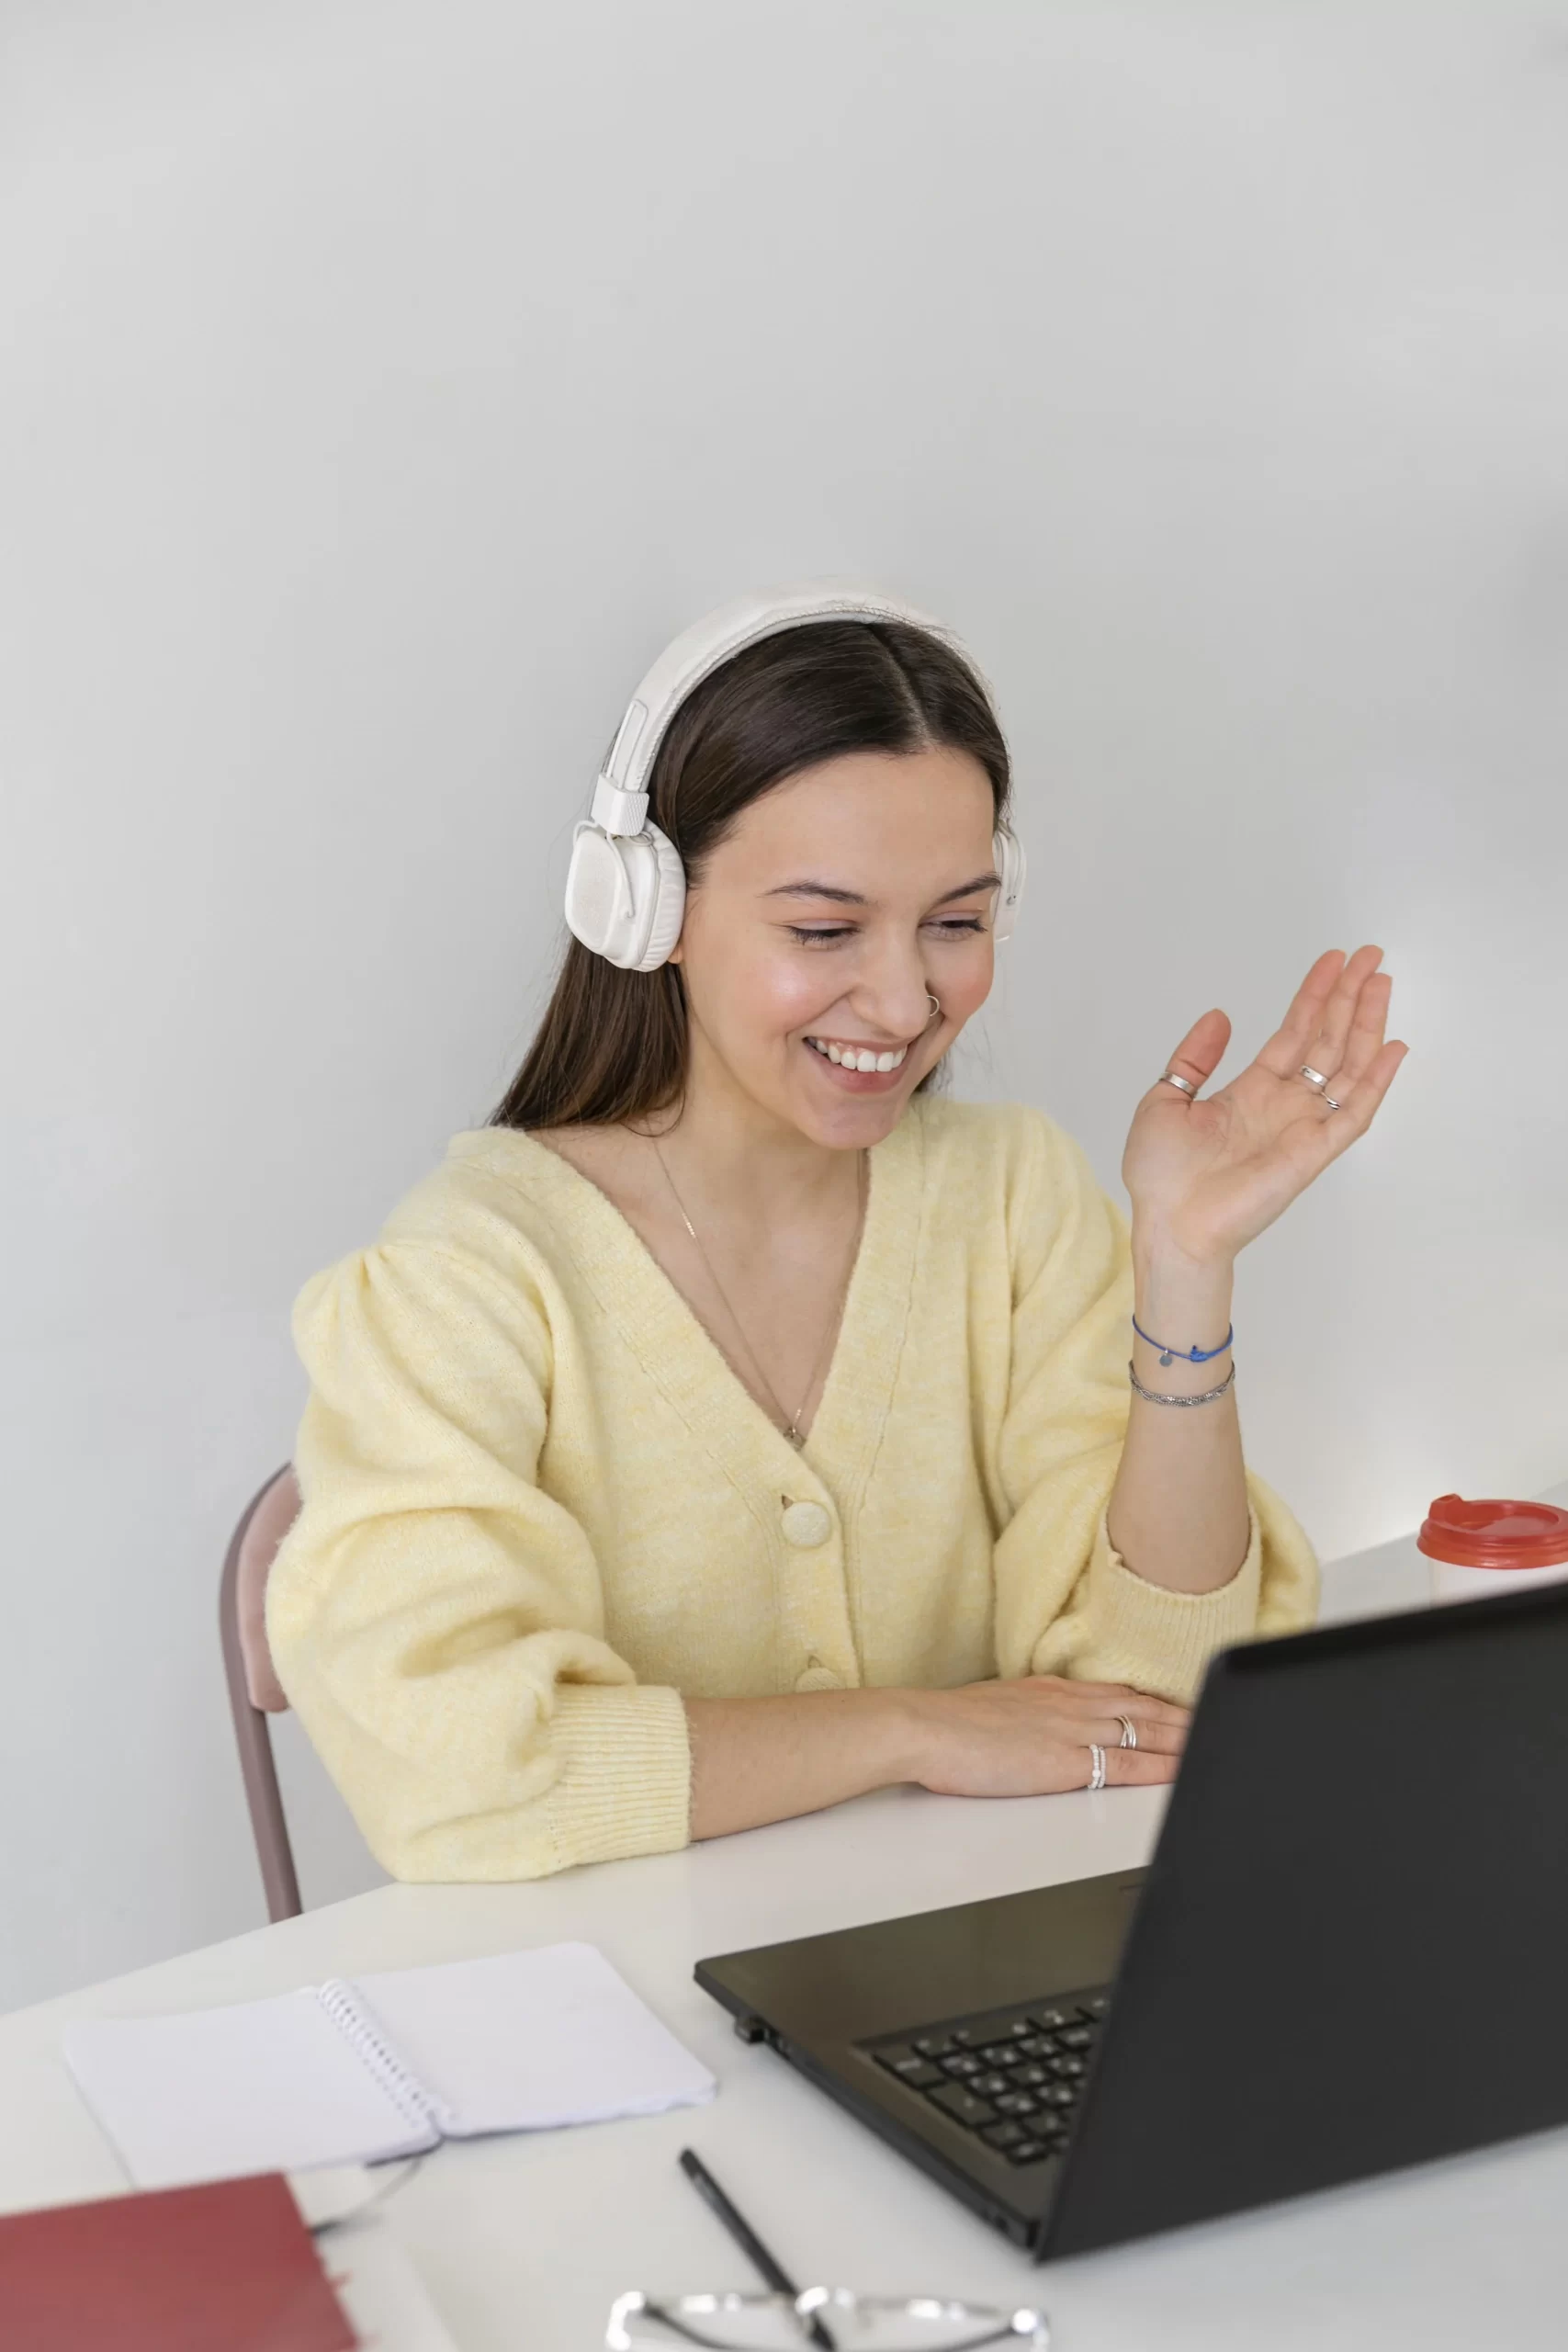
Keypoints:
pixel 355 2070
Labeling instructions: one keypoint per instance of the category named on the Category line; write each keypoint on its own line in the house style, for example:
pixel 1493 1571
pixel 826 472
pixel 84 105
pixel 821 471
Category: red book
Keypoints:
pixel 226 2267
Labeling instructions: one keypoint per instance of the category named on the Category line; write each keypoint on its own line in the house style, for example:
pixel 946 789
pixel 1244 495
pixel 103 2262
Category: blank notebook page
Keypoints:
pixel 269 2087
pixel 531 2039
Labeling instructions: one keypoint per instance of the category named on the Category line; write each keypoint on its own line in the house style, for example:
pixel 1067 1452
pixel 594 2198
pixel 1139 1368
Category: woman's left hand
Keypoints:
pixel 1206 1177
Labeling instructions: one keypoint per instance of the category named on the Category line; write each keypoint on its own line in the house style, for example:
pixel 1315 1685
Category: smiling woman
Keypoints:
pixel 827 696
pixel 732 1427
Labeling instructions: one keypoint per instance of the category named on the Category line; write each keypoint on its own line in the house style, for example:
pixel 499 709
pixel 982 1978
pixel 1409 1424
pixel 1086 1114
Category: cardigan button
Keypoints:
pixel 806 1525
pixel 818 1677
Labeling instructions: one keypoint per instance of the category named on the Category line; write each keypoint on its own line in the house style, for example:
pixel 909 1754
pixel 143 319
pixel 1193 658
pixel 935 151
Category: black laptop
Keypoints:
pixel 1349 1954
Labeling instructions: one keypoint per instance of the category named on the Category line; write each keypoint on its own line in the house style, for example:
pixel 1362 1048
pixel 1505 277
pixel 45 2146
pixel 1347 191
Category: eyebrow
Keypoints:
pixel 856 898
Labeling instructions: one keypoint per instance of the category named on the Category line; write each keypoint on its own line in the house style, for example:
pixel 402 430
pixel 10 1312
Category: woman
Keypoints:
pixel 734 1425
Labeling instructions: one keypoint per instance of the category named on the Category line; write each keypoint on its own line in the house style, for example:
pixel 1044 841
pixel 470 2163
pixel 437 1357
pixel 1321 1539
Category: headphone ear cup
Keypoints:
pixel 626 895
pixel 599 899
pixel 1012 865
pixel 668 908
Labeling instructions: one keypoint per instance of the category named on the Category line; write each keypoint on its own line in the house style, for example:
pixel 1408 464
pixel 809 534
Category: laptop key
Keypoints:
pixel 962 2063
pixel 1003 2135
pixel 1069 2066
pixel 1027 2152
pixel 984 2029
pixel 1075 2037
pixel 990 2085
pixel 932 2045
pixel 920 2076
pixel 898 2058
pixel 1018 2103
pixel 1032 2045
pixel 1095 2008
pixel 958 2101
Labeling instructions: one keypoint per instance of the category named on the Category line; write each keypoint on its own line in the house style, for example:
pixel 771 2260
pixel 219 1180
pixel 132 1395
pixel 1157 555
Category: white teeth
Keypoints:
pixel 858 1057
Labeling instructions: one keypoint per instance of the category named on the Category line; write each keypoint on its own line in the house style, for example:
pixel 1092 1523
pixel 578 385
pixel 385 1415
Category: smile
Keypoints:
pixel 861 1058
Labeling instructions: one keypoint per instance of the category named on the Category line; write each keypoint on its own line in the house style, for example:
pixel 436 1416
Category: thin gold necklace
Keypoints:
pixel 789 1423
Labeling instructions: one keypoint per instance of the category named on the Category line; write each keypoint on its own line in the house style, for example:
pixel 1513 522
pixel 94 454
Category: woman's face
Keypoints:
pixel 819 927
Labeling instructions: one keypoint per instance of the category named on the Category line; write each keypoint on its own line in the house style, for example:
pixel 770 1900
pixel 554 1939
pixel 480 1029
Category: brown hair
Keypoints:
pixel 613 1045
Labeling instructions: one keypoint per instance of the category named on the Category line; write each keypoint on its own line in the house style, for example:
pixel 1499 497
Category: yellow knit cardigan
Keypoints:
pixel 539 1507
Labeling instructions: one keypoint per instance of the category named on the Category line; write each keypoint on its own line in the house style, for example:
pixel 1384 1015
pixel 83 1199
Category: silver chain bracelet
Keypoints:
pixel 1153 1397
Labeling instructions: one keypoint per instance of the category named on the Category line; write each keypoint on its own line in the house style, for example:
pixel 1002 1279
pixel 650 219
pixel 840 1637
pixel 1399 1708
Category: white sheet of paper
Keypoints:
pixel 380 2290
pixel 267 2086
pixel 530 2039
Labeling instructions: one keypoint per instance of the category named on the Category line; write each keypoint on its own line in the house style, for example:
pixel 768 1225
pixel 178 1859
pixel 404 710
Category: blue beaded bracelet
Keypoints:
pixel 1185 1355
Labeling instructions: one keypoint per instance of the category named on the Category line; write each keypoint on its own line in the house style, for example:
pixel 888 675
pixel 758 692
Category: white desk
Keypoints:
pixel 523 2242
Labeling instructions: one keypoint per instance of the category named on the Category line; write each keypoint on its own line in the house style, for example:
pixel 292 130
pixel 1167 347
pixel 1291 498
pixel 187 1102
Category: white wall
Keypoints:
pixel 388 378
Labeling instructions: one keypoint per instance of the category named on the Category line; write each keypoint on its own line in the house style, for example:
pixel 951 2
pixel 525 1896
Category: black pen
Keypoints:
pixel 746 2238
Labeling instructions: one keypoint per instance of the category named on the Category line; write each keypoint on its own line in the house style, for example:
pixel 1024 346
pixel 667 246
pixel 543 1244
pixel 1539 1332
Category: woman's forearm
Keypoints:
pixel 1177 1512
pixel 756 1760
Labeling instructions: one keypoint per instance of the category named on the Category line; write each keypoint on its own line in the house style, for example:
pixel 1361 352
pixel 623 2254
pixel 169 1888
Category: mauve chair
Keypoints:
pixel 254 1690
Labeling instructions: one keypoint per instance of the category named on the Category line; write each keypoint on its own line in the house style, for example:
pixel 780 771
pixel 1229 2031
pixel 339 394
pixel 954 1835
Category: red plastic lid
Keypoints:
pixel 1494 1534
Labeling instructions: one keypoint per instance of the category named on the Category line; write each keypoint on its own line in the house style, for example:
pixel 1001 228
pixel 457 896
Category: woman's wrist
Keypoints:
pixel 910 1726
pixel 1179 1304
pixel 1165 1281
pixel 1156 1246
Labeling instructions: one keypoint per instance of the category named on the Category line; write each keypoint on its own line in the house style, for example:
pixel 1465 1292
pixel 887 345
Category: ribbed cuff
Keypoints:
pixel 626 1777
pixel 1161 1641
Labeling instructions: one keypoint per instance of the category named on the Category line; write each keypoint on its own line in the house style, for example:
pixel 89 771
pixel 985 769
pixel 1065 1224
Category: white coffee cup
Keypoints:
pixel 1479 1549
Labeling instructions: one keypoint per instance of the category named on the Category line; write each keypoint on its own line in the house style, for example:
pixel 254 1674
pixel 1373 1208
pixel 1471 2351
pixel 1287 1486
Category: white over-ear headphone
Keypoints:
pixel 626 889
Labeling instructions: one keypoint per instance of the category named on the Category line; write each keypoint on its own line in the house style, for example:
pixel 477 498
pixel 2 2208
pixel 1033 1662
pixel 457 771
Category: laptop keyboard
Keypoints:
pixel 1013 2077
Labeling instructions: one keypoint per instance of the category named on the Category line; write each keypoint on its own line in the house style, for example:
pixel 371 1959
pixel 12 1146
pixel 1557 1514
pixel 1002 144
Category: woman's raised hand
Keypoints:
pixel 1206 1177
pixel 1032 1737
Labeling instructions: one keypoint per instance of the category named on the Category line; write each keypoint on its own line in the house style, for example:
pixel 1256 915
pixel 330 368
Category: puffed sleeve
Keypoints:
pixel 1067 1602
pixel 436 1619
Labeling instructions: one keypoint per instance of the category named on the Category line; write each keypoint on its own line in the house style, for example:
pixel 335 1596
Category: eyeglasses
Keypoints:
pixel 831 2318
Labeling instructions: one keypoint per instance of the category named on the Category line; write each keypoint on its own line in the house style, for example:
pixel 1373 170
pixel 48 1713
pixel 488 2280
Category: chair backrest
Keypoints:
pixel 254 1690
pixel 275 1511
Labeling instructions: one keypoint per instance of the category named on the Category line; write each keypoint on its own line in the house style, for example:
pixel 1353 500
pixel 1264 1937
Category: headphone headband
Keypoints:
pixel 620 795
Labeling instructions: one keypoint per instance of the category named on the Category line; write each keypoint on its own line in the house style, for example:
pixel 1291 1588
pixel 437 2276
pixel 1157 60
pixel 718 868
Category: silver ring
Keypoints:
pixel 1096 1766
pixel 1313 1076
pixel 935 1003
pixel 1331 1102
pixel 1129 1732
pixel 1169 1078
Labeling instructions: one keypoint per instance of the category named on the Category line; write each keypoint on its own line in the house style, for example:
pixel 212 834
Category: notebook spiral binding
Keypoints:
pixel 406 2092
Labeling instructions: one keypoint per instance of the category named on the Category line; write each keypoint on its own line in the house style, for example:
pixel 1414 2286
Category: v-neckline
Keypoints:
pixel 681 1356
pixel 821 1370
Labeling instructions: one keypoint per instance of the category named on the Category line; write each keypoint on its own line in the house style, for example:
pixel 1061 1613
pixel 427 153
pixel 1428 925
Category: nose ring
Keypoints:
pixel 935 1003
